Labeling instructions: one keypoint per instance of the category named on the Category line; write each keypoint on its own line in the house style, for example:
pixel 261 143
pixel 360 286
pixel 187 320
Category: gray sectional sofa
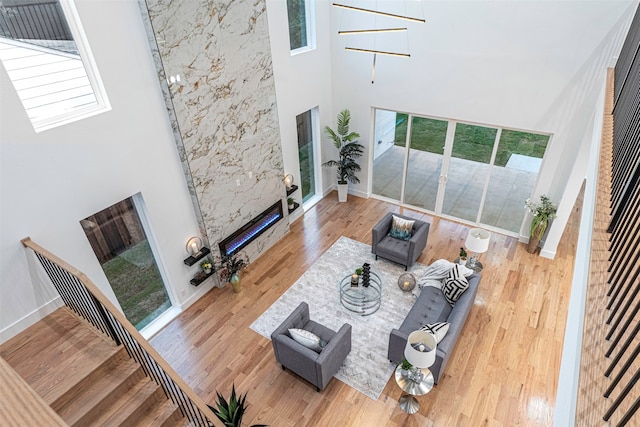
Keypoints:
pixel 430 307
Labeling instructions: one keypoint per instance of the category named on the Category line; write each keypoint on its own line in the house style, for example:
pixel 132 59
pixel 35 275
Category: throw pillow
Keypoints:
pixel 454 285
pixel 307 339
pixel 439 329
pixel 401 228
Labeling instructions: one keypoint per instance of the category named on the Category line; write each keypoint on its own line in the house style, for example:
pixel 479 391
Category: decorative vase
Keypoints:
pixel 532 246
pixel 404 373
pixel 207 271
pixel 236 282
pixel 534 242
pixel 342 192
pixel 462 261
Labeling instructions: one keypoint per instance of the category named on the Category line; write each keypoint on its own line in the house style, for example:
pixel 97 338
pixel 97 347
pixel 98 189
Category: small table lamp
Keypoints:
pixel 420 351
pixel 478 243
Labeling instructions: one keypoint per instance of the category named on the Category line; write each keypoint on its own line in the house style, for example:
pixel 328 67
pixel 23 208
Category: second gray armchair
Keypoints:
pixel 317 368
pixel 404 252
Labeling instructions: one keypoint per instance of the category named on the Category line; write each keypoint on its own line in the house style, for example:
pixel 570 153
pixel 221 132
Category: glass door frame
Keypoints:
pixel 446 163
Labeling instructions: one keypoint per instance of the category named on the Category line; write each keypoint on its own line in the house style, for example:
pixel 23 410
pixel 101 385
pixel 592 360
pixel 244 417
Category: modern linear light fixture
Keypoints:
pixel 372 31
pixel 375 31
pixel 377 12
pixel 381 52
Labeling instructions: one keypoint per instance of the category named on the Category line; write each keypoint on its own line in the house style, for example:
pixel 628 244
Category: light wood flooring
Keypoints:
pixel 503 371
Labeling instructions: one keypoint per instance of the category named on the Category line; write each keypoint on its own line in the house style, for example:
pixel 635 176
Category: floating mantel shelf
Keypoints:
pixel 296 205
pixel 292 190
pixel 193 259
pixel 200 277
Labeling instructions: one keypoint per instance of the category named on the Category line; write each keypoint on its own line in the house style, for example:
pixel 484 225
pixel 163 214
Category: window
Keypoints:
pixel 300 24
pixel 306 155
pixel 120 242
pixel 479 174
pixel 43 50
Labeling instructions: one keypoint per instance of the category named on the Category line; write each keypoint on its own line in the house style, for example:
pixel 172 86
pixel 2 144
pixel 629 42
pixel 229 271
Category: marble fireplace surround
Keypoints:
pixel 222 111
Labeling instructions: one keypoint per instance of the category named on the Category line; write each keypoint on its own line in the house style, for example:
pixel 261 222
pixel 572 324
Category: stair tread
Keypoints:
pixel 73 351
pixel 99 389
pixel 166 413
pixel 133 401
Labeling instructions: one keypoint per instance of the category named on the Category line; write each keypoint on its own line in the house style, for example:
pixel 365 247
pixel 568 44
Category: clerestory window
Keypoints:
pixel 300 16
pixel 45 54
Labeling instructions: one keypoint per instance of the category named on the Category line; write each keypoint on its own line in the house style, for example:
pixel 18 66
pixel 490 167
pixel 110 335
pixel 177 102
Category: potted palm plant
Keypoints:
pixel 348 151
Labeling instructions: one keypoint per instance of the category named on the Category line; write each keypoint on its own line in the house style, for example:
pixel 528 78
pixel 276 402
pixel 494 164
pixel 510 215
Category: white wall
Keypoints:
pixel 51 180
pixel 303 82
pixel 521 64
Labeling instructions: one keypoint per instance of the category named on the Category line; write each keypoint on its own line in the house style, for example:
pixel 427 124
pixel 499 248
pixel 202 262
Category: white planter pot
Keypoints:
pixel 342 192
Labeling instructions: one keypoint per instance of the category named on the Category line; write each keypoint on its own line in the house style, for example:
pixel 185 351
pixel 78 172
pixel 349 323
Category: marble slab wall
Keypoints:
pixel 223 109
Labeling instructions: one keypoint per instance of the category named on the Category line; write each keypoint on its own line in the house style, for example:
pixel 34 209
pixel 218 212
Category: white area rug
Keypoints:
pixel 367 368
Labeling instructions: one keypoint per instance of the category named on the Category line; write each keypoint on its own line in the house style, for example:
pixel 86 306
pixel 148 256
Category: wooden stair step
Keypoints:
pixel 61 350
pixel 61 374
pixel 164 414
pixel 132 404
pixel 100 389
pixel 42 334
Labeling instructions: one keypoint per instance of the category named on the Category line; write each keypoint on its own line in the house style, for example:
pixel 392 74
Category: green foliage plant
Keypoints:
pixel 406 365
pixel 348 149
pixel 542 212
pixel 231 412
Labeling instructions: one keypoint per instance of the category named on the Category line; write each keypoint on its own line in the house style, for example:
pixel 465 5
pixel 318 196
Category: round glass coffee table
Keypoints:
pixel 360 299
pixel 408 402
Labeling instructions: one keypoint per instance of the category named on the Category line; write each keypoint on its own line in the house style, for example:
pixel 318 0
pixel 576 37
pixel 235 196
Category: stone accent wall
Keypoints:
pixel 223 109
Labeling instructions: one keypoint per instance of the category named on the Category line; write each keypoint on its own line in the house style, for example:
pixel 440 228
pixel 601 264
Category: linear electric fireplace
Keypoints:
pixel 250 231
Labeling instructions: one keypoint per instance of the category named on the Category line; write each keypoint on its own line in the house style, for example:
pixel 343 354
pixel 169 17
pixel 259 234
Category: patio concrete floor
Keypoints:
pixel 509 186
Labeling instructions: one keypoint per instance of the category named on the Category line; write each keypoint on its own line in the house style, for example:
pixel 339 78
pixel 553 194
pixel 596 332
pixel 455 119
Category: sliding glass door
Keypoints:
pixel 389 154
pixel 479 174
pixel 467 172
pixel 426 153
pixel 513 176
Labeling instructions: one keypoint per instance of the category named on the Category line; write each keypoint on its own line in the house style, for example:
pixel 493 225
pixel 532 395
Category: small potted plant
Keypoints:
pixel 206 266
pixel 231 412
pixel 463 257
pixel 405 367
pixel 543 212
pixel 230 267
pixel 290 203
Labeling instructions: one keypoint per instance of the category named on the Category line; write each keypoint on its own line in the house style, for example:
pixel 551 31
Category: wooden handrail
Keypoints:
pixel 125 324
pixel 20 404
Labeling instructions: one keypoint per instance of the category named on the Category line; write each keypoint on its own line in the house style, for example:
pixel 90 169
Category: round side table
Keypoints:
pixel 408 402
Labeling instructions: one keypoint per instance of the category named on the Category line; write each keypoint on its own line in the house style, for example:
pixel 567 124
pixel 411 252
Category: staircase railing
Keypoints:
pixel 81 295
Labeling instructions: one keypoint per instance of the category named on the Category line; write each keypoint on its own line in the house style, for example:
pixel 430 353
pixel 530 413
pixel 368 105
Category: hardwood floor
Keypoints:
pixel 503 371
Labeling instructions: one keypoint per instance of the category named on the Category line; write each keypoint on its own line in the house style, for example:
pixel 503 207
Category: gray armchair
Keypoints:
pixel 317 368
pixel 404 252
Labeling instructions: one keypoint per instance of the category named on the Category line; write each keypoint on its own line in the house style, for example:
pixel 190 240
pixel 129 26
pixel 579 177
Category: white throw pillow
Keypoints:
pixel 307 339
pixel 438 329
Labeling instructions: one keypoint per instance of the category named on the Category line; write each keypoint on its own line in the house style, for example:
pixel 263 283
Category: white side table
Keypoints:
pixel 408 402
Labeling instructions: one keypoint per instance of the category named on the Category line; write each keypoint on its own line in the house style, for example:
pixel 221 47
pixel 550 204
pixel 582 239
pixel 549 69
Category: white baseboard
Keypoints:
pixel 547 254
pixel 31 318
pixel 356 193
